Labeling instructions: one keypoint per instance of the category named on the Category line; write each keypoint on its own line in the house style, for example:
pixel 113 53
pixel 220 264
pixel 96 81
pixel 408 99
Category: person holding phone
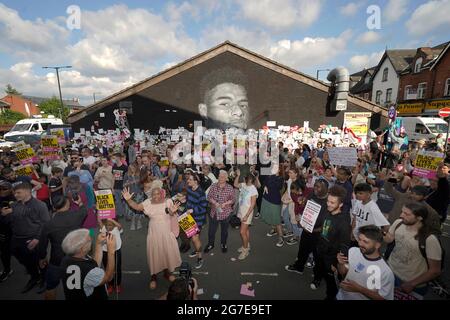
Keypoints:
pixel 359 264
pixel 335 238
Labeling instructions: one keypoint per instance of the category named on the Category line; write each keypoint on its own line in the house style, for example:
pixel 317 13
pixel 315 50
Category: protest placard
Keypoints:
pixel 25 170
pixel 18 145
pixel 50 142
pixel 105 204
pixel 343 156
pixel 427 163
pixel 188 224
pixel 25 155
pixel 59 133
pixel 310 215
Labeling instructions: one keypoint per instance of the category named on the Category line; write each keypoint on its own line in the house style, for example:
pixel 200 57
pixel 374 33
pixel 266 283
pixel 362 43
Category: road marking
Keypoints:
pixel 131 272
pixel 259 274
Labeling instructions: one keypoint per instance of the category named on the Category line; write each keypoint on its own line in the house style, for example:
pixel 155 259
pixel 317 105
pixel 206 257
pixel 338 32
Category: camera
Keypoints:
pixel 186 274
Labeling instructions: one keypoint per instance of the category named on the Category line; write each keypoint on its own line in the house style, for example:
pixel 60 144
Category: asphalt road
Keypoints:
pixel 219 276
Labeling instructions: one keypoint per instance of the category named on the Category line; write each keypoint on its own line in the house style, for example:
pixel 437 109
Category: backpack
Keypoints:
pixel 422 248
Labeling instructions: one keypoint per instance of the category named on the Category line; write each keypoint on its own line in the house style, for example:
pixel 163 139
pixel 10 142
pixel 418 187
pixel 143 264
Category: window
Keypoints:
pixel 420 128
pixel 366 96
pixel 366 79
pixel 388 95
pixel 45 125
pixel 35 127
pixel 408 92
pixel 447 88
pixel 421 90
pixel 385 75
pixel 378 97
pixel 21 127
pixel 418 65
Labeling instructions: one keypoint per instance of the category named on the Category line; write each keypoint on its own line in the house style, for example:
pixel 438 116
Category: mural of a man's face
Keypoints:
pixel 227 104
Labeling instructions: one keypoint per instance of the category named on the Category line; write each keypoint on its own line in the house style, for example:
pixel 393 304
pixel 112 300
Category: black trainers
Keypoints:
pixel 292 268
pixel 5 275
pixel 199 263
pixel 208 248
pixel 193 254
pixel 224 248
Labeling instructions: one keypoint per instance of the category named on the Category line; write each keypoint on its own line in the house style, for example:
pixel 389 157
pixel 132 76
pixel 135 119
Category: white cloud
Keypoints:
pixel 360 62
pixel 281 14
pixel 394 10
pixel 428 17
pixel 350 9
pixel 368 37
pixel 307 53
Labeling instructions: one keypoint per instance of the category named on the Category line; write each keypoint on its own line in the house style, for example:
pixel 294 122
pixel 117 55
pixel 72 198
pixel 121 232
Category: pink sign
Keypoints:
pixel 107 214
pixel 424 173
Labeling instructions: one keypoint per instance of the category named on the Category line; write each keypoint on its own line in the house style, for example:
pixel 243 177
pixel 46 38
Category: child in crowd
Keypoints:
pixel 113 227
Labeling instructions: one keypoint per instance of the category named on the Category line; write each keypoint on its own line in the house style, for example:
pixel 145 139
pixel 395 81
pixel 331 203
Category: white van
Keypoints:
pixel 418 128
pixel 33 126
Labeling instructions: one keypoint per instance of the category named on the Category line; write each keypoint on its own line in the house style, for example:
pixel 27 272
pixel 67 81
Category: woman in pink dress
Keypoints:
pixel 162 246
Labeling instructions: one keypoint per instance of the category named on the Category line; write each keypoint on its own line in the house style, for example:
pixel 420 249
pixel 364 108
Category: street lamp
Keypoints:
pixel 317 73
pixel 96 93
pixel 59 85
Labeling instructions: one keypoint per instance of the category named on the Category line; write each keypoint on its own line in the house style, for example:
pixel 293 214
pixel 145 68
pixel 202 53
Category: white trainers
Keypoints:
pixel 242 248
pixel 280 243
pixel 244 254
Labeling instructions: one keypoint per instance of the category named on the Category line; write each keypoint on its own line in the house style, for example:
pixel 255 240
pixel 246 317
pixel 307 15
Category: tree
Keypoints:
pixel 10 90
pixel 53 107
pixel 10 117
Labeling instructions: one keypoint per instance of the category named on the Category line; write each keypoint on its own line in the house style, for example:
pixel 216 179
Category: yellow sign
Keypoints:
pixel 427 162
pixel 358 122
pixel 437 104
pixel 25 154
pixel 410 107
pixel 49 142
pixel 188 224
pixel 24 170
pixel 105 200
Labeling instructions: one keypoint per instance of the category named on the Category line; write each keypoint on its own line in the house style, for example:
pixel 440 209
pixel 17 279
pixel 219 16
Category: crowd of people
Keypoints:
pixel 377 232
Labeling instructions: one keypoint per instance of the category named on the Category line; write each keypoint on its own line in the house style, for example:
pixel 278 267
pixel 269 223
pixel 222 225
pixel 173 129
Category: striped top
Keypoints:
pixel 196 200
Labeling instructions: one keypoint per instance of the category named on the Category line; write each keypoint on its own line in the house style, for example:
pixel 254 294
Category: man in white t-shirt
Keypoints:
pixel 367 275
pixel 366 211
pixel 88 159
pixel 415 262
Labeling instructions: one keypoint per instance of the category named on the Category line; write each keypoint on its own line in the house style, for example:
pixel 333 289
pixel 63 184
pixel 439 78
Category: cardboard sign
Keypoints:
pixel 59 133
pixel 26 170
pixel 343 156
pixel 105 204
pixel 18 145
pixel 310 215
pixel 50 142
pixel 25 155
pixel 51 154
pixel 427 163
pixel 188 224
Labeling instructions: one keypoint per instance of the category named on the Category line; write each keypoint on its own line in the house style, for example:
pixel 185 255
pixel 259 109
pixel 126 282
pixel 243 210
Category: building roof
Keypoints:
pixel 226 46
pixel 361 85
pixel 69 103
pixel 401 59
pixel 4 104
pixel 441 54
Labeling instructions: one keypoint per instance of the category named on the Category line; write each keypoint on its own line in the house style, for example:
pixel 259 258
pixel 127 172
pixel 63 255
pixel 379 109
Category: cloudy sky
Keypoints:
pixel 121 43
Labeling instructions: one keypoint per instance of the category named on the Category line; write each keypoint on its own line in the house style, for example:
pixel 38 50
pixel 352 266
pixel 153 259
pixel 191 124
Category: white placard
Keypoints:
pixel 343 156
pixel 306 125
pixel 310 215
pixel 100 131
pixel 271 124
pixel 88 133
pixel 102 115
pixel 82 130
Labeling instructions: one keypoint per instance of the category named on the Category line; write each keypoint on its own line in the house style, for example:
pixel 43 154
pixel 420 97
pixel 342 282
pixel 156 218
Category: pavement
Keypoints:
pixel 221 276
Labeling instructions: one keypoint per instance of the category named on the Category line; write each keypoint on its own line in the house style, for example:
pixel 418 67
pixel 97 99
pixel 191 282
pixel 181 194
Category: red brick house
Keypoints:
pixel 425 84
pixel 20 104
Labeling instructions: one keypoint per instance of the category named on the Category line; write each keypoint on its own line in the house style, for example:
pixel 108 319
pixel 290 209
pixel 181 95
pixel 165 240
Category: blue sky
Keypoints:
pixel 120 43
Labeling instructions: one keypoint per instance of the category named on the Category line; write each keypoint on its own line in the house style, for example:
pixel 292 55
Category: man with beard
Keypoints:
pixel 367 275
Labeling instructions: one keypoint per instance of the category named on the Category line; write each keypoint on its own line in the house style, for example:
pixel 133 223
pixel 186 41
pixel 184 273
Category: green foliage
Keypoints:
pixel 52 107
pixel 10 90
pixel 10 117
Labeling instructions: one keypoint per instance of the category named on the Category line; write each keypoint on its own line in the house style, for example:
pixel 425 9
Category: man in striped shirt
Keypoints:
pixel 221 198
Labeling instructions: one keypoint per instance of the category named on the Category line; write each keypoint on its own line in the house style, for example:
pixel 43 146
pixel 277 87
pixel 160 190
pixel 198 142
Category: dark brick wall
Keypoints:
pixel 272 96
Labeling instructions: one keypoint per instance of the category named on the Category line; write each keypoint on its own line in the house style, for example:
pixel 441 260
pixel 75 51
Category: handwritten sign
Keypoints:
pixel 343 156
pixel 25 155
pixel 26 170
pixel 310 215
pixel 188 224
pixel 105 204
pixel 427 163
pixel 50 142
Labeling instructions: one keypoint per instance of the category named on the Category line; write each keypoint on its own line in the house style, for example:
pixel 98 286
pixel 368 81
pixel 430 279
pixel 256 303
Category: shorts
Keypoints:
pixel 53 276
pixel 241 214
